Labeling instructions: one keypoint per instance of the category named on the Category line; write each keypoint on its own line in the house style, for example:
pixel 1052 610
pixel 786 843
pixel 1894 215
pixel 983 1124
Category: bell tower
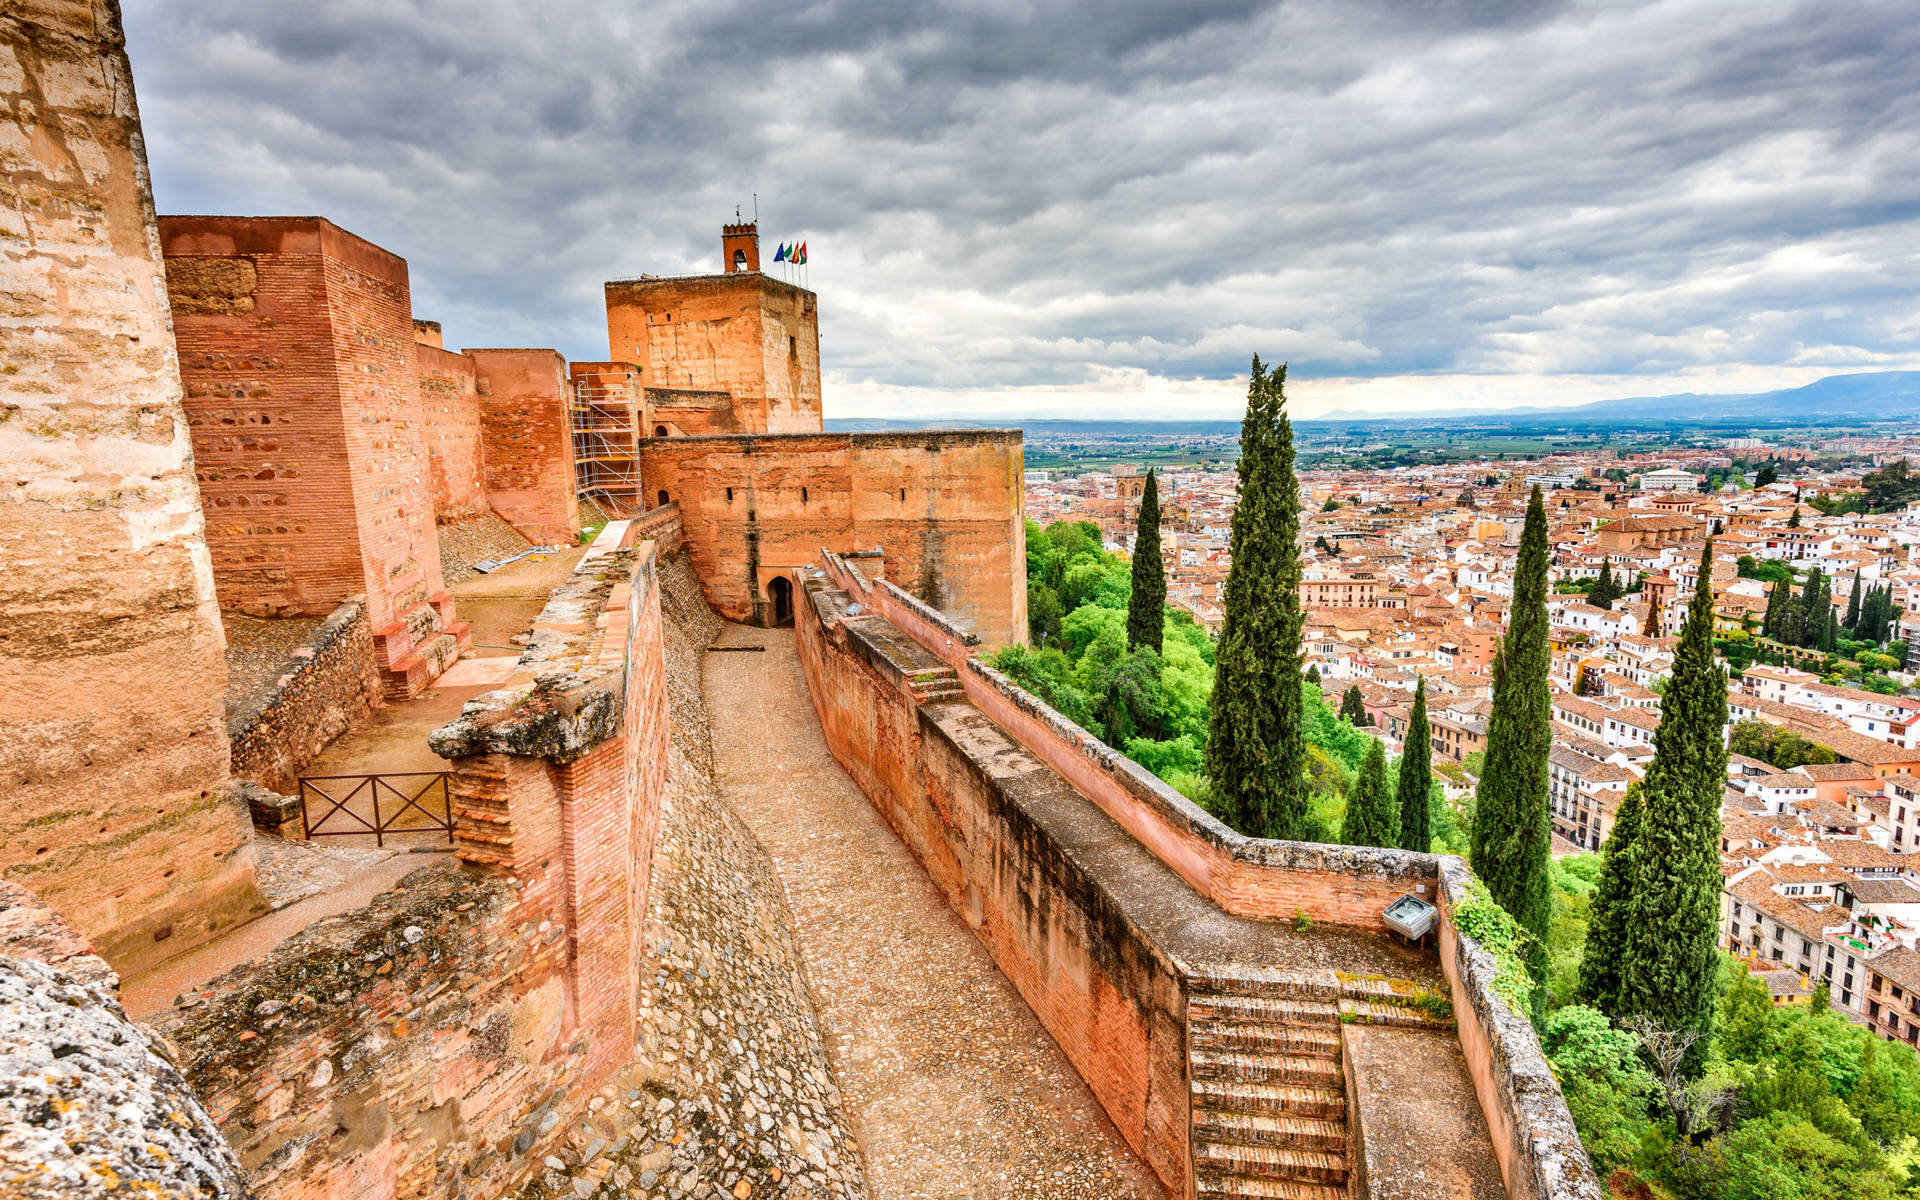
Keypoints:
pixel 740 247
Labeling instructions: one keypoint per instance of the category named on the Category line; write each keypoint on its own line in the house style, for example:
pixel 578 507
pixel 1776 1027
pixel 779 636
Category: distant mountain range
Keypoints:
pixel 1870 396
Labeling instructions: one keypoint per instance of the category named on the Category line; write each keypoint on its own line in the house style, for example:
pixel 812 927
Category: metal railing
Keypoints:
pixel 376 804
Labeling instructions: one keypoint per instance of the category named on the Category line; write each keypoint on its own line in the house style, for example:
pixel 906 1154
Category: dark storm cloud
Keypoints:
pixel 1007 194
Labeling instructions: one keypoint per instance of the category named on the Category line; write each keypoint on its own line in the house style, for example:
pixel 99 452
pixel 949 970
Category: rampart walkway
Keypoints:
pixel 952 1086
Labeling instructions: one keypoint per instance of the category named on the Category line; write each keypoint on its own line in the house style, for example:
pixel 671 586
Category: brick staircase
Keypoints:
pixel 936 686
pixel 1269 1097
pixel 1269 1103
pixel 414 648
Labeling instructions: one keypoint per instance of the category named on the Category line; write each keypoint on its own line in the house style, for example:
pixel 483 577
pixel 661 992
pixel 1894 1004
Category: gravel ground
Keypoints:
pixel 463 543
pixel 953 1086
pixel 292 871
pixel 257 652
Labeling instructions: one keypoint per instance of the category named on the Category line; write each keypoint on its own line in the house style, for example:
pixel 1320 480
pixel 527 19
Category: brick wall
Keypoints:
pixel 329 683
pixel 450 424
pixel 526 443
pixel 298 353
pixel 269 437
pixel 947 508
pixel 450 1037
pixel 113 755
pixel 749 335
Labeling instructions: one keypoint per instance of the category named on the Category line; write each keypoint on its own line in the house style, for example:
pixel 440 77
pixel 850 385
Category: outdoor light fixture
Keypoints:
pixel 1410 916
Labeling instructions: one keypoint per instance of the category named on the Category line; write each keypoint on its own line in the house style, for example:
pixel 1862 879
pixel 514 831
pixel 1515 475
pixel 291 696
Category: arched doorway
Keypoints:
pixel 659 431
pixel 663 498
pixel 780 595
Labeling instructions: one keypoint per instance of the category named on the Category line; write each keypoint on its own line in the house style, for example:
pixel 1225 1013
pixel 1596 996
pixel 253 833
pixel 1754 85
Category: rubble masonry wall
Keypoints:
pixel 323 688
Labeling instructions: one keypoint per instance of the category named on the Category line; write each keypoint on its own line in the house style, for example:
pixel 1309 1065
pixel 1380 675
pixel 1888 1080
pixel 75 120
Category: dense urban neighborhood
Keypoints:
pixel 1408 575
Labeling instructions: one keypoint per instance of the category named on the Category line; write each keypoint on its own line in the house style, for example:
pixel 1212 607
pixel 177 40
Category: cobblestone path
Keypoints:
pixel 953 1087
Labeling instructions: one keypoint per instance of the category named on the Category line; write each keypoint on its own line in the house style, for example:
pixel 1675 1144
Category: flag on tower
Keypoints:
pixel 800 254
pixel 780 255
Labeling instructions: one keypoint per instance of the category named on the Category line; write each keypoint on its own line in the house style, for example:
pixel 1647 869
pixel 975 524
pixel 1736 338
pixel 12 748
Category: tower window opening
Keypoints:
pixel 729 495
pixel 739 260
pixel 803 495
pixel 793 347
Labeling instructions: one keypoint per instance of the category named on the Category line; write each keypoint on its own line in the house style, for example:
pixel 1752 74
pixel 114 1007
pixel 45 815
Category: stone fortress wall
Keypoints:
pixel 117 813
pixel 558 1008
pixel 601 989
pixel 297 350
pixel 946 509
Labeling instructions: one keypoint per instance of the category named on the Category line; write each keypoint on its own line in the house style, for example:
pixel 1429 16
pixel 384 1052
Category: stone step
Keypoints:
pixel 1305 1070
pixel 1368 988
pixel 1319 1040
pixel 1274 982
pixel 1262 1010
pixel 1271 1162
pixel 1213 1185
pixel 1376 1012
pixel 1242 1096
pixel 1261 1129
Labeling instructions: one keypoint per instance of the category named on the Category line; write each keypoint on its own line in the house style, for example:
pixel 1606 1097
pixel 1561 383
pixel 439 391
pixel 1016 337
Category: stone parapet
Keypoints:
pixel 1540 1152
pixel 1003 801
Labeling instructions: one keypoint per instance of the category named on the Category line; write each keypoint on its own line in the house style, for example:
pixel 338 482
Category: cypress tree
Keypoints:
pixel 1604 591
pixel 1373 817
pixel 1668 959
pixel 1775 619
pixel 1416 776
pixel 1853 607
pixel 1313 676
pixel 1513 826
pixel 1610 908
pixel 1793 522
pixel 1147 608
pixel 1353 706
pixel 1256 740
pixel 1814 604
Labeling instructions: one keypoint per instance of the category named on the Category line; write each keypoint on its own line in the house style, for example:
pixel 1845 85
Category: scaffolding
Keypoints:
pixel 605 417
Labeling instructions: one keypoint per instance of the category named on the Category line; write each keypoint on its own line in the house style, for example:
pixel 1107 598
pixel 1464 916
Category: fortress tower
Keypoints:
pixel 736 352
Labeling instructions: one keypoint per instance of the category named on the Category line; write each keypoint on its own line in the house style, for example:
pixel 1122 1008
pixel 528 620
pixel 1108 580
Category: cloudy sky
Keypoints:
pixel 1103 209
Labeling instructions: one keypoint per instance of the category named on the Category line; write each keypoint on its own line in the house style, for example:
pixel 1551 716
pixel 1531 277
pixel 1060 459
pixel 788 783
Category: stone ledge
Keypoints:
pixel 578 695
